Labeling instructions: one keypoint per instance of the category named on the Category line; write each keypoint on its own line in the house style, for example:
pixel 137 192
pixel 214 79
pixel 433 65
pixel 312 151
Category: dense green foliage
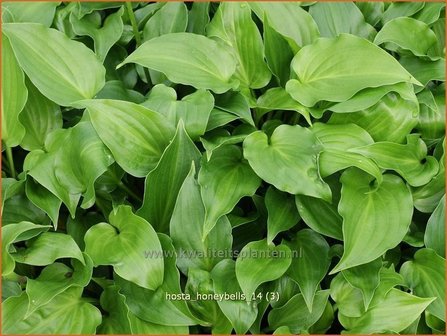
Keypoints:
pixel 223 167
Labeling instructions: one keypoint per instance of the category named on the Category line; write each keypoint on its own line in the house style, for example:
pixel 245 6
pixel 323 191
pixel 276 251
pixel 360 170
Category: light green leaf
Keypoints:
pixel 365 277
pixel 435 231
pixel 427 197
pixel 384 211
pixel 348 298
pixel 288 160
pixel 350 64
pixel 55 279
pixel 289 20
pixel 40 117
pixel 194 109
pixel 38 12
pixel 396 312
pixel 188 216
pixel 217 138
pixel 295 315
pixel 67 313
pixel 65 71
pixel 205 64
pixel 198 17
pixel 135 135
pixel 224 180
pixel 234 102
pixel 233 24
pixel 130 245
pixel 44 200
pixel 104 37
pixel 163 183
pixel 219 118
pixel 171 18
pixel 372 11
pixel 200 283
pixel 153 306
pixel 341 17
pixel 311 265
pixel 432 118
pixel 391 119
pixel 12 233
pixel 48 247
pixel 240 313
pixel 424 70
pixel 399 9
pixel 406 33
pixel 255 258
pixel 71 169
pixel 430 13
pixel 409 160
pixel 320 216
pixel 425 275
pixel 116 89
pixel 117 319
pixel 14 93
pixel 282 212
pixel 279 99
pixel 277 53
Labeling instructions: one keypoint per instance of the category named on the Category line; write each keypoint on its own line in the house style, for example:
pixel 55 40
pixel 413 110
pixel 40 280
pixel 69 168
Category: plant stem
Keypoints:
pixel 136 33
pixel 122 186
pixel 11 162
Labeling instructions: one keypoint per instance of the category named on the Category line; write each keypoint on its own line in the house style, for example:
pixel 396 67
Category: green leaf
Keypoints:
pixel 125 244
pixel 194 109
pixel 349 299
pixel 255 258
pixel 365 277
pixel 67 313
pixel 68 72
pixel 240 313
pixel 391 119
pixel 289 20
pixel 234 102
pixel 104 37
pixel 320 216
pixel 396 312
pixel 224 180
pixel 15 96
pixel 171 18
pixel 295 315
pixel 399 9
pixel 282 212
pixel 277 53
pixel 198 17
pixel 341 17
pixel 44 200
pixel 40 117
pixel 188 216
pixel 153 306
pixel 430 13
pixel 279 99
pixel 432 117
pixel 350 64
pixel 38 12
pixel 384 210
pixel 425 275
pixel 233 24
pixel 161 54
pixel 424 70
pixel 163 183
pixel 55 279
pixel 200 283
pixel 289 165
pixel 406 33
pixel 372 11
pixel 409 160
pixel 71 169
pixel 13 233
pixel 135 135
pixel 48 247
pixel 115 89
pixel 435 231
pixel 311 265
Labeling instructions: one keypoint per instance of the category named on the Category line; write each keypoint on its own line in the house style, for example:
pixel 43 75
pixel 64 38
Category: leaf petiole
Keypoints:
pixel 10 159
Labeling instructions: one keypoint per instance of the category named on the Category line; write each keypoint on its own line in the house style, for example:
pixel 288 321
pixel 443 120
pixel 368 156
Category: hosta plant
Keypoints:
pixel 233 167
